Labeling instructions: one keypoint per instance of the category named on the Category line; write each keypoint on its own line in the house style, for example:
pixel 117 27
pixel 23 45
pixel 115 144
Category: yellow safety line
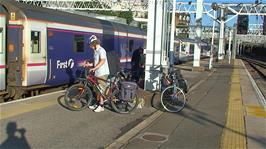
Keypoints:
pixel 234 135
pixel 7 113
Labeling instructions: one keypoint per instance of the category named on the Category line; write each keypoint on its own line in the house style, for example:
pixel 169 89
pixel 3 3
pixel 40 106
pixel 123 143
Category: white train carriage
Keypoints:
pixel 22 50
pixel 2 49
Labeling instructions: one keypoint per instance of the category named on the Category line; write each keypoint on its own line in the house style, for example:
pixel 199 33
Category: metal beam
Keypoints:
pixel 142 6
pixel 239 9
pixel 111 5
pixel 221 39
pixel 155 44
pixel 197 47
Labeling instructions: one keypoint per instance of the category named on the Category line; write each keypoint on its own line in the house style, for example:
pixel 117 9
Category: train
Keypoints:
pixel 42 48
pixel 258 51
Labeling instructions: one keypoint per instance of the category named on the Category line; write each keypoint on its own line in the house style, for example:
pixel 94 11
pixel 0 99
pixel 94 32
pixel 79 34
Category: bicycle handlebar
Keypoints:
pixel 87 71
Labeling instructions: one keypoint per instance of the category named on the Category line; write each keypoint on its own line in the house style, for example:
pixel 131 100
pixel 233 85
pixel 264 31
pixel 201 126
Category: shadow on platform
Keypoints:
pixel 16 137
pixel 201 118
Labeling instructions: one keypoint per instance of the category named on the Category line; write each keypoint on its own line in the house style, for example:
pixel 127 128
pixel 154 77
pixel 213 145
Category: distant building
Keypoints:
pixel 182 21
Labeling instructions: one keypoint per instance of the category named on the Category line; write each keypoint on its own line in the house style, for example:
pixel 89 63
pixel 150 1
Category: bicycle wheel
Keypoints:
pixel 78 97
pixel 173 99
pixel 122 106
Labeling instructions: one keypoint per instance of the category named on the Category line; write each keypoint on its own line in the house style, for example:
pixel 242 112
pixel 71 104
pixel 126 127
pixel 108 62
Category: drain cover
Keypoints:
pixel 154 137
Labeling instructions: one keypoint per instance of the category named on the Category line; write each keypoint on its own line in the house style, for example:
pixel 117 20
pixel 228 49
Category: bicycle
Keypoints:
pixel 79 96
pixel 173 98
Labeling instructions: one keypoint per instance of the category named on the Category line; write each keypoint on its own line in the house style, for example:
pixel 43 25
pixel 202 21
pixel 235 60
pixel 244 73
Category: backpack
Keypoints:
pixel 128 90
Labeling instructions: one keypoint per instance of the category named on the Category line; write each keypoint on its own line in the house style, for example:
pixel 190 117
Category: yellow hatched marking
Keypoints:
pixel 254 110
pixel 234 135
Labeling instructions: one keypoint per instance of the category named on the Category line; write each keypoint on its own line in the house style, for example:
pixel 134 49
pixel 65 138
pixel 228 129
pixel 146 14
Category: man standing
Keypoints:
pixel 100 67
pixel 138 64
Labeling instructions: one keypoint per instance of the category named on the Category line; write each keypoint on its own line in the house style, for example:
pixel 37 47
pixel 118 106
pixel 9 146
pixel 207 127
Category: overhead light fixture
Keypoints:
pixel 215 6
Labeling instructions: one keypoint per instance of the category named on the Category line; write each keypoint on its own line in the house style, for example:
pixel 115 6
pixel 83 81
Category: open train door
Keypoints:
pixel 2 49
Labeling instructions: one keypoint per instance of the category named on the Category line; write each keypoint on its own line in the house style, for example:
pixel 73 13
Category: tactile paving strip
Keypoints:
pixel 234 133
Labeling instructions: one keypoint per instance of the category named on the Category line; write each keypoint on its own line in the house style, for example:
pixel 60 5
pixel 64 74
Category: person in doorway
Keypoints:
pixel 100 67
pixel 136 63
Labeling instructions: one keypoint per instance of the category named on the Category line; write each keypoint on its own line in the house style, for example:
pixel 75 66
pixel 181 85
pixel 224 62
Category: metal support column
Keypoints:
pixel 229 47
pixel 221 39
pixel 234 43
pixel 212 44
pixel 241 49
pixel 173 27
pixel 179 50
pixel 154 44
pixel 238 48
pixel 197 48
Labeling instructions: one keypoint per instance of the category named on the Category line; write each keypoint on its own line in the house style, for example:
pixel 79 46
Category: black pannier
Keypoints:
pixel 128 90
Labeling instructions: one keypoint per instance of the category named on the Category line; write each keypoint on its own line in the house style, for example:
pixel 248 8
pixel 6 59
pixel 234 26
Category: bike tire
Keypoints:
pixel 173 99
pixel 122 106
pixel 78 97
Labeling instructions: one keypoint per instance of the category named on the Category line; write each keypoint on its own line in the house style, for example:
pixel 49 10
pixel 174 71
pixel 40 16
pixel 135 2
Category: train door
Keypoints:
pixel 2 52
pixel 36 65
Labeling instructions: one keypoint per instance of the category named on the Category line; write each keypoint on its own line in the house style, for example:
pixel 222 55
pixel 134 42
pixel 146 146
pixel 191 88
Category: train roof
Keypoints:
pixel 40 13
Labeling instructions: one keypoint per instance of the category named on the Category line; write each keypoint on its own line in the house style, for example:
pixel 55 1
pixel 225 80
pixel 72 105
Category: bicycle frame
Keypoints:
pixel 174 103
pixel 92 81
pixel 80 95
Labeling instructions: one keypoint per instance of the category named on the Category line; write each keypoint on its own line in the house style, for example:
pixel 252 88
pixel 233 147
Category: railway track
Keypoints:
pixel 257 69
pixel 257 65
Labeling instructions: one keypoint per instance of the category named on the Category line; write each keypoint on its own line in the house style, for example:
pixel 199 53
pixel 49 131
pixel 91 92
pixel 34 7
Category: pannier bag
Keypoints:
pixel 128 90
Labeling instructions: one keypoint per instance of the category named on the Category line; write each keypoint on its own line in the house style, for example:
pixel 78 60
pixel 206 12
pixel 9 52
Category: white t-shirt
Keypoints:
pixel 100 53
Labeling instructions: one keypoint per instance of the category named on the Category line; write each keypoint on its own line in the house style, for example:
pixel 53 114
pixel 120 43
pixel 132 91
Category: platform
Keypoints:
pixel 222 112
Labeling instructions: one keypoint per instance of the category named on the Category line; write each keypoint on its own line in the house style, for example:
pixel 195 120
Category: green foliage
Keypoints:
pixel 128 15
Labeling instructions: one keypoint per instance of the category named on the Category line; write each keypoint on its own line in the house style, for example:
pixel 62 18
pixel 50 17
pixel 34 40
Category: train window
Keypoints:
pixel 35 42
pixel 79 43
pixel 131 43
pixel 1 41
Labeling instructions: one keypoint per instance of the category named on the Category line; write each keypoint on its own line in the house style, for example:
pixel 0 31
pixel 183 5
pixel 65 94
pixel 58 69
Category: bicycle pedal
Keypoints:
pixel 115 100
